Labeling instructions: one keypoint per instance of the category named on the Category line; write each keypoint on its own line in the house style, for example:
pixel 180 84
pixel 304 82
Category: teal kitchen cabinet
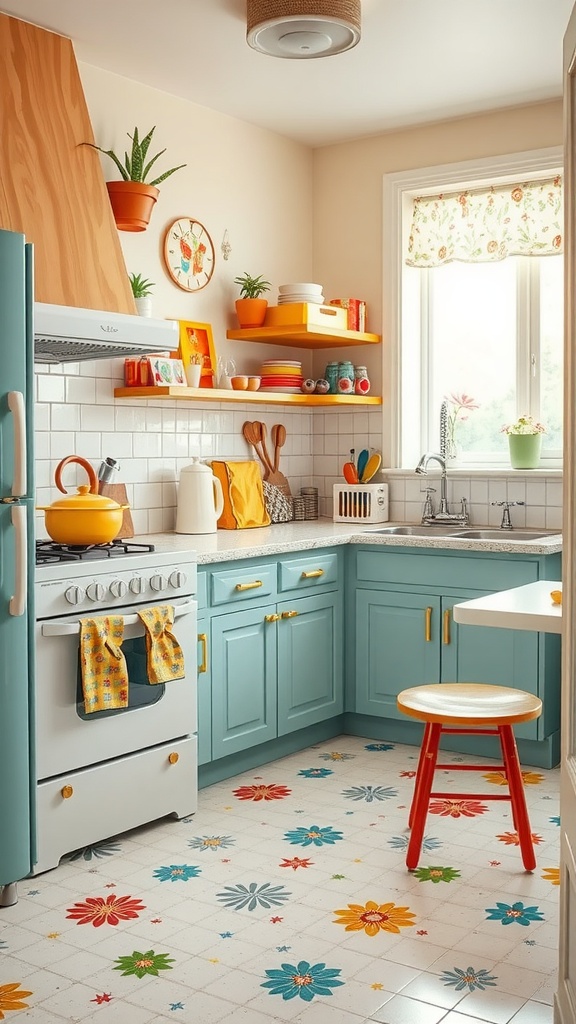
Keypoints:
pixel 406 639
pixel 402 634
pixel 275 650
pixel 310 661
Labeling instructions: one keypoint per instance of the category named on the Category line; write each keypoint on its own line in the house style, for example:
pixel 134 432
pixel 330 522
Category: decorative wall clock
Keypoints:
pixel 189 254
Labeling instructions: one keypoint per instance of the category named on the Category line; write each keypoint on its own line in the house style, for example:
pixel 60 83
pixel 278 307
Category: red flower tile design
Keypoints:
pixel 511 838
pixel 98 911
pixel 457 808
pixel 271 792
pixel 296 862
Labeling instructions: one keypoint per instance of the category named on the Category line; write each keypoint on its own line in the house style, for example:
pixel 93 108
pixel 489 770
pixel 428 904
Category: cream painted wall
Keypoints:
pixel 347 202
pixel 255 184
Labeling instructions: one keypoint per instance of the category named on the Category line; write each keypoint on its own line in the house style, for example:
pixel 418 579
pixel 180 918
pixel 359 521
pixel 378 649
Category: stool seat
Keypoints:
pixel 468 709
pixel 469 704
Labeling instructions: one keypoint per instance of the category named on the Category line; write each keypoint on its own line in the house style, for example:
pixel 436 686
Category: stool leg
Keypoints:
pixel 517 796
pixel 423 749
pixel 422 795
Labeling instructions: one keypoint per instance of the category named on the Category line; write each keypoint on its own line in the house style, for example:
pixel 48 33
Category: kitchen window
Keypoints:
pixel 492 331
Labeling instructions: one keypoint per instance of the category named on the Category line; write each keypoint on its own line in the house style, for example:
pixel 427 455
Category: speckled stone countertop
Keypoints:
pixel 282 538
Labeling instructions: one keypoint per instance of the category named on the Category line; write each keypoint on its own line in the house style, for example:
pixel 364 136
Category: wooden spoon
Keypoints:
pixel 252 435
pixel 262 432
pixel 276 477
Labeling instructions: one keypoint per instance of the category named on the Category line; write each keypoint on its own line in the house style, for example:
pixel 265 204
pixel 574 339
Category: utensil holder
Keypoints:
pixel 310 495
pixel 360 503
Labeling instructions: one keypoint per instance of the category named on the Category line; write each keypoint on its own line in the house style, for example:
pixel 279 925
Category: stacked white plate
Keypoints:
pixel 281 375
pixel 301 292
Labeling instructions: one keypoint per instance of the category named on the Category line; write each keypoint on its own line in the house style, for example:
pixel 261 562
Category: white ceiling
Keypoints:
pixel 417 61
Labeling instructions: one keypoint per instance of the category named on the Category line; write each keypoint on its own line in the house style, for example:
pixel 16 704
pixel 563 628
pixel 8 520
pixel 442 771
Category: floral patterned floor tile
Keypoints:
pixel 286 898
pixel 490 1005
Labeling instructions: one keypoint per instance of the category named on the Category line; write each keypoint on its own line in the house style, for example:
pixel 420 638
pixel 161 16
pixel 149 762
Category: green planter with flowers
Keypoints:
pixel 525 442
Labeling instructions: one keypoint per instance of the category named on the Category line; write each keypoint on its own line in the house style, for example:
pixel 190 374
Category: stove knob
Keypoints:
pixel 74 595
pixel 118 588
pixel 177 579
pixel 158 582
pixel 137 585
pixel 96 592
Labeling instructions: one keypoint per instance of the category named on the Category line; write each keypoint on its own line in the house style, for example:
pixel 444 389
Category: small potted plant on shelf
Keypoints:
pixel 250 307
pixel 132 197
pixel 141 290
pixel 524 442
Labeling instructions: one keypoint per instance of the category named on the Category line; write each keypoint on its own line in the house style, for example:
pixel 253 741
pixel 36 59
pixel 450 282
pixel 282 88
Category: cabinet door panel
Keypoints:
pixel 310 662
pixel 244 680
pixel 503 657
pixel 392 649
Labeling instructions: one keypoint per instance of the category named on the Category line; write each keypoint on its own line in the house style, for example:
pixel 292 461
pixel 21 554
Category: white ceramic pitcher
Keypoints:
pixel 200 499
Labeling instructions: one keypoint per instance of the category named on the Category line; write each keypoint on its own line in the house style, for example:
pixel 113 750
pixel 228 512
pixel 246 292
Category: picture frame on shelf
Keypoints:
pixel 197 340
pixel 166 372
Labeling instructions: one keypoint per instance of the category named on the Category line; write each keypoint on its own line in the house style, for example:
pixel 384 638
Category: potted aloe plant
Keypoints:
pixel 250 307
pixel 142 290
pixel 133 197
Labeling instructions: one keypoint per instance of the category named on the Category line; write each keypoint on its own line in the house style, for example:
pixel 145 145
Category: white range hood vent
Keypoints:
pixel 64 334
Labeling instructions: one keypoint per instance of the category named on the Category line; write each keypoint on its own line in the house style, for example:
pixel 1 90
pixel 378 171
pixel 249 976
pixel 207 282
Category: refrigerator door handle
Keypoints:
pixel 17 604
pixel 17 408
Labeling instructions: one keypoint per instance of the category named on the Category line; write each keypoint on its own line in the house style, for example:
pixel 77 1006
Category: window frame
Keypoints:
pixel 399 190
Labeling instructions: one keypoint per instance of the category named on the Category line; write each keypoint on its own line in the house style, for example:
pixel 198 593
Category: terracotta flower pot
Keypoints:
pixel 132 204
pixel 251 312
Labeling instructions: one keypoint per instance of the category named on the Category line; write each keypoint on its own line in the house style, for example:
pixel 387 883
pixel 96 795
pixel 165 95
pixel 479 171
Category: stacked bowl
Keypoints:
pixel 281 375
pixel 300 293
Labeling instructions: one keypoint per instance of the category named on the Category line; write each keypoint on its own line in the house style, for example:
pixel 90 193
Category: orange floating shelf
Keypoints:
pixel 224 395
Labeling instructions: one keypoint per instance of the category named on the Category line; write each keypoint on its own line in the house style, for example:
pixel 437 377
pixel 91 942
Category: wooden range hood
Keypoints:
pixel 51 187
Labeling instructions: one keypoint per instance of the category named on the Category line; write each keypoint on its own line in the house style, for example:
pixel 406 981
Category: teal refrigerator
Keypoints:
pixel 16 564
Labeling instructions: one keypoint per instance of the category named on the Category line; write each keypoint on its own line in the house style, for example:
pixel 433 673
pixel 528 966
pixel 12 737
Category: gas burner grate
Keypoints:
pixel 48 552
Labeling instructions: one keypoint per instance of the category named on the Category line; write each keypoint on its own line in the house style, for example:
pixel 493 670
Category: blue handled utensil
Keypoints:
pixel 362 460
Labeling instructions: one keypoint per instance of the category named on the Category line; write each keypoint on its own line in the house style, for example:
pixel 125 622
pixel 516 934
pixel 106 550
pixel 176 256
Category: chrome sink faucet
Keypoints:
pixel 506 523
pixel 443 515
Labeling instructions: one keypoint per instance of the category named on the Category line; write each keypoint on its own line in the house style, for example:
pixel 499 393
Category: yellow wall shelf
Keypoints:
pixel 225 395
pixel 306 335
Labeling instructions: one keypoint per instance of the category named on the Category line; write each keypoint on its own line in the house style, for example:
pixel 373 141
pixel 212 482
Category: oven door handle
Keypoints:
pixel 73 628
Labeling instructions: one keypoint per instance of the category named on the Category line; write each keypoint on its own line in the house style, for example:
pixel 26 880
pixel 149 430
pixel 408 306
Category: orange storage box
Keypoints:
pixel 294 314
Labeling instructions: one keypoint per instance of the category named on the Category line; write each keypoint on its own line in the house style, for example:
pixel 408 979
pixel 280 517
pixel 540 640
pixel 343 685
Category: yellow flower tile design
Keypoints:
pixel 373 918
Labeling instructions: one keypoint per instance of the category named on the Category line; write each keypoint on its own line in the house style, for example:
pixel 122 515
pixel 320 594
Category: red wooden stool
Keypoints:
pixel 475 709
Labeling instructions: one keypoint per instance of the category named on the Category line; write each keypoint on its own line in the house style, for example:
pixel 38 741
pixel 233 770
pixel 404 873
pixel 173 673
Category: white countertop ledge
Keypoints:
pixel 528 607
pixel 283 538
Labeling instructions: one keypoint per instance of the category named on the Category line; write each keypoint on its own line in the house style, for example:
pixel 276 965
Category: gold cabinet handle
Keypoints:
pixel 289 615
pixel 173 758
pixel 67 792
pixel 271 618
pixel 249 586
pixel 203 639
pixel 312 575
pixel 428 625
pixel 446 627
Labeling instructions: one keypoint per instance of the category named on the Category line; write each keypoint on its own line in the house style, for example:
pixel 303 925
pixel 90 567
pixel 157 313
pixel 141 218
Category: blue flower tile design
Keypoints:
pixel 213 843
pixel 241 897
pixel 302 980
pixel 176 873
pixel 370 793
pixel 96 851
pixel 469 978
pixel 401 843
pixel 555 820
pixel 315 773
pixel 379 746
pixel 516 913
pixel 314 835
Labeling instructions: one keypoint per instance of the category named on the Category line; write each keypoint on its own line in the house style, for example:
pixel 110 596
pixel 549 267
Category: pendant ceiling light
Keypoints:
pixel 301 29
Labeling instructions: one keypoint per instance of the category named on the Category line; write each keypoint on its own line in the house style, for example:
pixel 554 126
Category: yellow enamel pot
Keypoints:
pixel 83 518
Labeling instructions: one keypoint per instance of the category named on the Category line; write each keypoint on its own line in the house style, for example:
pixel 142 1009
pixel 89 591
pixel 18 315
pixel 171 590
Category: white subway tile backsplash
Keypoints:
pixel 76 414
pixel 50 389
pixel 64 416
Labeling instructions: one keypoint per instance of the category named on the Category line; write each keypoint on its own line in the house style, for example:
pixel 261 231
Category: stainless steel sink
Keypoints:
pixel 505 534
pixel 422 531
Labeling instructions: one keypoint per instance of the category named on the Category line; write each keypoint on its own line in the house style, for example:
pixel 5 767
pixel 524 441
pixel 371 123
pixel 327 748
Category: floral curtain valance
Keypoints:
pixel 488 224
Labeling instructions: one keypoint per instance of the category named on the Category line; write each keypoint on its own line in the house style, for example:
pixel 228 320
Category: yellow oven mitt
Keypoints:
pixel 165 656
pixel 103 665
